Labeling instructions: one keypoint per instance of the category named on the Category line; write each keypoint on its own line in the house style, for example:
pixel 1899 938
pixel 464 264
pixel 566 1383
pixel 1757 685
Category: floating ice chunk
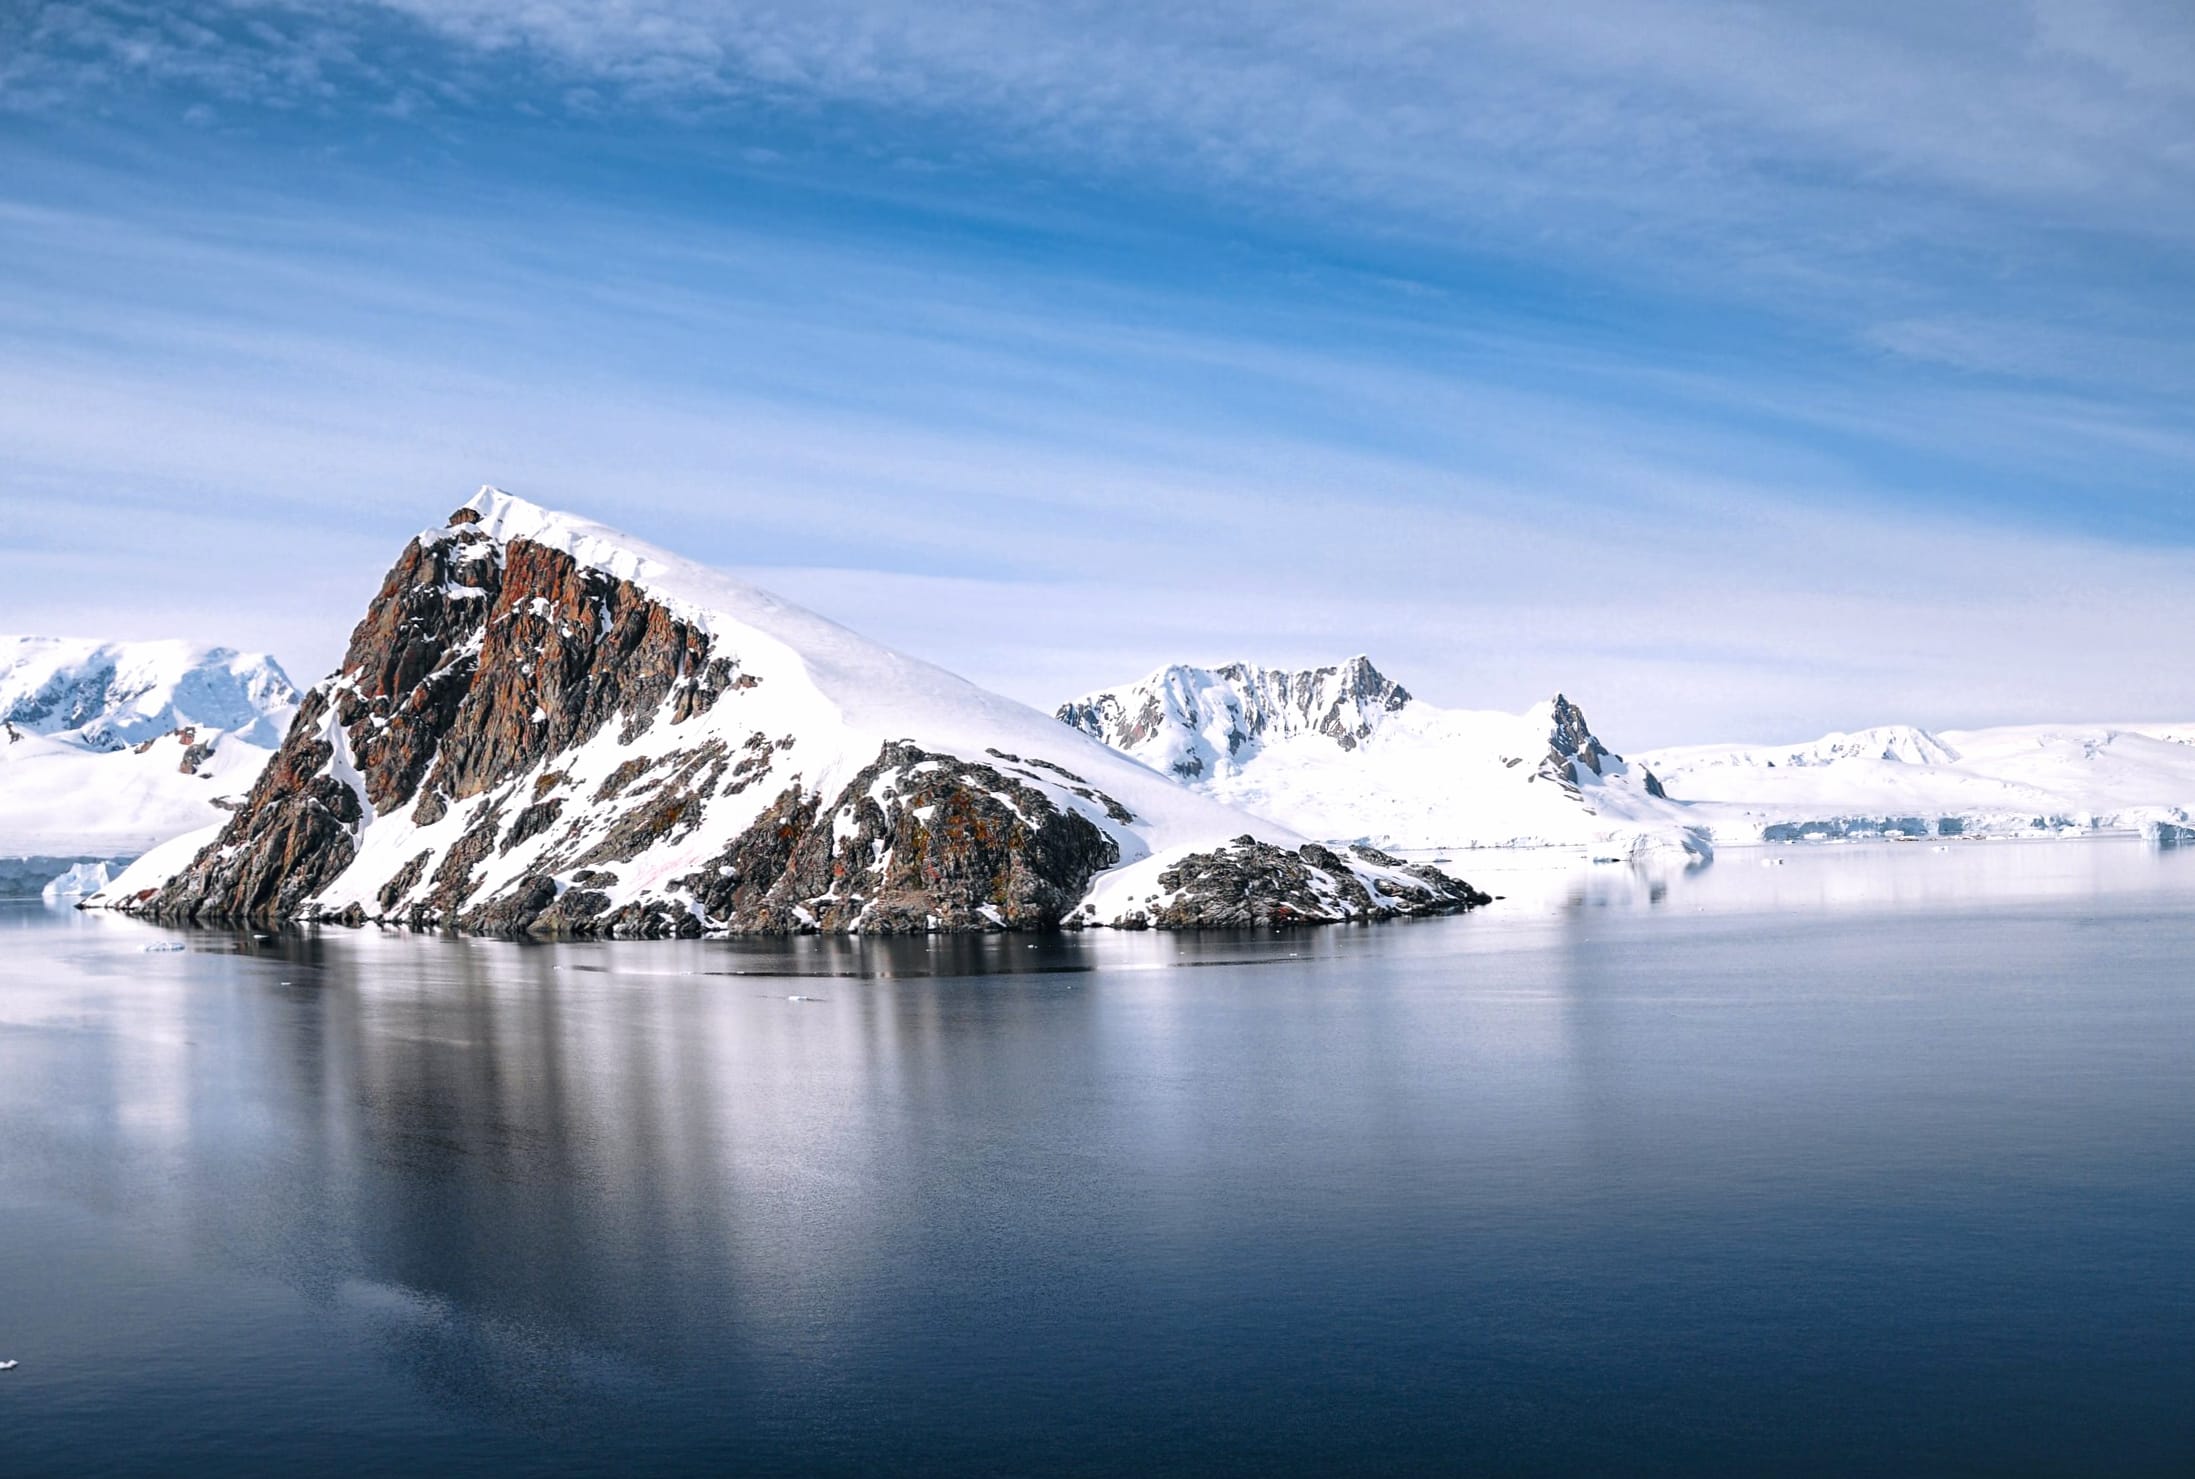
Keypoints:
pixel 164 947
pixel 80 880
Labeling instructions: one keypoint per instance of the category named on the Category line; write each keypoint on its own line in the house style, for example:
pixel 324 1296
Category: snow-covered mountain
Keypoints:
pixel 1345 752
pixel 112 747
pixel 2013 780
pixel 109 695
pixel 543 724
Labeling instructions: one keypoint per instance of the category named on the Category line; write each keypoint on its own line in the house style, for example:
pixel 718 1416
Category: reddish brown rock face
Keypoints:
pixel 469 641
pixel 474 661
pixel 293 835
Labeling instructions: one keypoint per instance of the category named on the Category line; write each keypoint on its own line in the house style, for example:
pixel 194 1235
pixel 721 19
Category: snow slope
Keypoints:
pixel 111 747
pixel 2012 780
pixel 1344 752
pixel 814 706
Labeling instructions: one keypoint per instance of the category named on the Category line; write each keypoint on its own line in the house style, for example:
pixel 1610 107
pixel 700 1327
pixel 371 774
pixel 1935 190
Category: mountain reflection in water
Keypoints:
pixel 1873 1157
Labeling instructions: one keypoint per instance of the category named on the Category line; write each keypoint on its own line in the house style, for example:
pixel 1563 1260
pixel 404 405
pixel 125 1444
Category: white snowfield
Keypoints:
pixel 838 696
pixel 2016 780
pixel 1342 753
pixel 95 736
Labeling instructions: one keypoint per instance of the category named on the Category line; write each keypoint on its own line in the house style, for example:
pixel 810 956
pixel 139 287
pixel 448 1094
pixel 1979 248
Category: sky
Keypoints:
pixel 1743 371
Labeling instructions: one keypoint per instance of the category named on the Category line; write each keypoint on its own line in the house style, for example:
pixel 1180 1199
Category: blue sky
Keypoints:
pixel 1744 371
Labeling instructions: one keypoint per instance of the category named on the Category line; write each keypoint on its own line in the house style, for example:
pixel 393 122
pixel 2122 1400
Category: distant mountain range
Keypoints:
pixel 2022 779
pixel 543 724
pixel 1331 749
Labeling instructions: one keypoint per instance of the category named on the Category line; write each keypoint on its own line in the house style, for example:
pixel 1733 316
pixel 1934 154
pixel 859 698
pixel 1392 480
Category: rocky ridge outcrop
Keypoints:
pixel 1572 746
pixel 1253 883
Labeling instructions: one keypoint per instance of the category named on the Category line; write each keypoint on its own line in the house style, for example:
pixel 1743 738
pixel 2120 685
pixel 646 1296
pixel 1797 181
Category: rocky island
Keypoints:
pixel 544 726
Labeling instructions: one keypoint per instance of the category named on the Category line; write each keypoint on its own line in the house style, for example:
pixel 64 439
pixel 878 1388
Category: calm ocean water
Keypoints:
pixel 1871 1159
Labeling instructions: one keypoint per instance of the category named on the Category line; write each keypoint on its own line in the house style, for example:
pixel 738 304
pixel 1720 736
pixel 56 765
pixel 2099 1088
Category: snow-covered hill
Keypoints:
pixel 1344 752
pixel 2014 780
pixel 112 747
pixel 544 724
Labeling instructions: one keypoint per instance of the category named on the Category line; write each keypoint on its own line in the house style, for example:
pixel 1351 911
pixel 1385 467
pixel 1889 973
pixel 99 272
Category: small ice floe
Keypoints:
pixel 9 1365
pixel 804 998
pixel 164 947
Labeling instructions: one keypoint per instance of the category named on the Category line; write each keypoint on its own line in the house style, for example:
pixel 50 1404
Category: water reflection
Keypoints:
pixel 1830 877
pixel 1094 1201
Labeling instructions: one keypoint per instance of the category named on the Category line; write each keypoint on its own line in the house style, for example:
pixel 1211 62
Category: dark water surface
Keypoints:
pixel 1879 1160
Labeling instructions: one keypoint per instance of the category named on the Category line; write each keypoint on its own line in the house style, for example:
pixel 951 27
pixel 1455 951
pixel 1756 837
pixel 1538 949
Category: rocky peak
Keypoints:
pixel 1570 738
pixel 1194 721
pixel 1573 747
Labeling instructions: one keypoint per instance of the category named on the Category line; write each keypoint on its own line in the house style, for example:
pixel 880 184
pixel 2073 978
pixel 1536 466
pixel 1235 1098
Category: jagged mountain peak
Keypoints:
pixel 1194 721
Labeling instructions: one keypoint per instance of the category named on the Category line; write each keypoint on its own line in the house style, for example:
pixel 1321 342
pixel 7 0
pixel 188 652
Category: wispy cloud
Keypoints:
pixel 1524 346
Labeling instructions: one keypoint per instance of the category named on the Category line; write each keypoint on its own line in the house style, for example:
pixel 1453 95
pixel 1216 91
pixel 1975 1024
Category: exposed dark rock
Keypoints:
pixel 672 809
pixel 406 879
pixel 1253 883
pixel 453 877
pixel 293 834
pixel 943 843
pixel 516 908
pixel 475 660
pixel 532 822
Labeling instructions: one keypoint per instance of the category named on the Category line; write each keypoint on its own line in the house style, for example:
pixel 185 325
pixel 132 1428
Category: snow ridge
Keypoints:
pixel 1345 753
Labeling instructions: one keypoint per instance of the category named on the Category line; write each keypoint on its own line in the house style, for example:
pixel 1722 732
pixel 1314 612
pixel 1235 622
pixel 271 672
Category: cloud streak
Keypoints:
pixel 1748 370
